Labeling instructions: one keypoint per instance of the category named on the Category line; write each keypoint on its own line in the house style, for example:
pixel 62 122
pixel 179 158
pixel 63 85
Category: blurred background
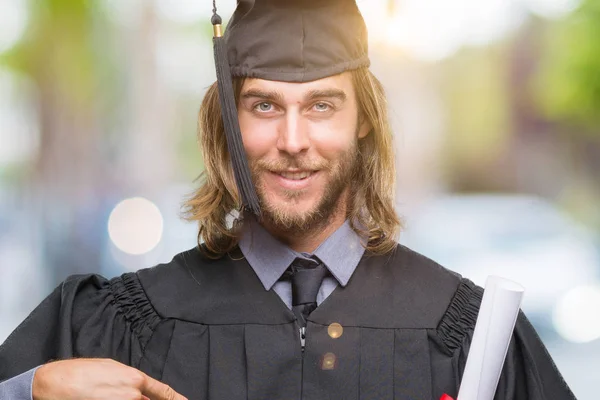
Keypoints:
pixel 495 106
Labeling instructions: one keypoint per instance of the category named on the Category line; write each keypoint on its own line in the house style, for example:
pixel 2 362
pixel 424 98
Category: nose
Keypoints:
pixel 293 135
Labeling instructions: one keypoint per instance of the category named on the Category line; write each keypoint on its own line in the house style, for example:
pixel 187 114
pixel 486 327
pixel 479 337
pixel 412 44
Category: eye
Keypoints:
pixel 264 107
pixel 321 107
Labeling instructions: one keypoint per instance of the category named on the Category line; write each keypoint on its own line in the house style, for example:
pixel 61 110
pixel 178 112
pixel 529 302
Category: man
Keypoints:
pixel 301 294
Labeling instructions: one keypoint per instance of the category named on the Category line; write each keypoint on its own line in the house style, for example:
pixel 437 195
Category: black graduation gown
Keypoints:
pixel 210 330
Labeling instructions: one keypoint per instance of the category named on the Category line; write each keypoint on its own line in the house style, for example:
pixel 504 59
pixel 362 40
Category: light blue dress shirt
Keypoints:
pixel 269 258
pixel 19 387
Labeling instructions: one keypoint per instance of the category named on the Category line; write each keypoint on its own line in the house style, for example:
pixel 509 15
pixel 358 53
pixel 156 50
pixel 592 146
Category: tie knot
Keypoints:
pixel 304 263
pixel 307 276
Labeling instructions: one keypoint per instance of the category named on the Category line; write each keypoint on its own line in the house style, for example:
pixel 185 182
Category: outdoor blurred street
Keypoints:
pixel 495 106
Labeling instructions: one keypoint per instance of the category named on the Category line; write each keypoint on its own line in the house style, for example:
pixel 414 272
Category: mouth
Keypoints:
pixel 294 175
pixel 294 180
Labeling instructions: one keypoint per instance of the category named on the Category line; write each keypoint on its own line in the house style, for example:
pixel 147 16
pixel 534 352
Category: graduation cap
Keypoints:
pixel 282 40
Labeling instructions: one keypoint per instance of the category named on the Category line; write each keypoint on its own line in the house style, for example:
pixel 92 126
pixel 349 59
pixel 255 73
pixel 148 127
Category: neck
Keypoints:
pixel 307 241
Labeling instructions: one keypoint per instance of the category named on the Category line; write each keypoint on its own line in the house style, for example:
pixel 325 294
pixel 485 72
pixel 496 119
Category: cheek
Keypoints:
pixel 331 147
pixel 259 136
pixel 333 140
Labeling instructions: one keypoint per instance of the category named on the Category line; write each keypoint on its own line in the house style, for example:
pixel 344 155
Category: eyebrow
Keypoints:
pixel 273 95
pixel 326 93
pixel 263 94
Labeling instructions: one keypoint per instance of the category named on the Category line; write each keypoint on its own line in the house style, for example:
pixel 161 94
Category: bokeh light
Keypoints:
pixel 13 21
pixel 577 316
pixel 135 226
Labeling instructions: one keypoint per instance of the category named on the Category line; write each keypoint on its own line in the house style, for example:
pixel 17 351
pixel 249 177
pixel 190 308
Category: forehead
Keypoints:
pixel 342 81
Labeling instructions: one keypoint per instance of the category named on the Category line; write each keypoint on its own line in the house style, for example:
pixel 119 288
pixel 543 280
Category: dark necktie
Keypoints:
pixel 307 276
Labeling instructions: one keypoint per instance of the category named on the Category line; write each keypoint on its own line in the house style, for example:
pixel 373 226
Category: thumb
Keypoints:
pixel 156 390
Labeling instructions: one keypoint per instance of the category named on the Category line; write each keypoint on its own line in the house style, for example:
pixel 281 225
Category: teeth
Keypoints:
pixel 295 175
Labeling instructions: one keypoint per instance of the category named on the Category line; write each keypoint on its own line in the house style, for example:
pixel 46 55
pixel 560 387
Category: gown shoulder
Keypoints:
pixel 85 316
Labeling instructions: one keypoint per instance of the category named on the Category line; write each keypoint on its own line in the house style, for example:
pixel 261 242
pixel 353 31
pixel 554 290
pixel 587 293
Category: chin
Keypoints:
pixel 293 209
pixel 291 214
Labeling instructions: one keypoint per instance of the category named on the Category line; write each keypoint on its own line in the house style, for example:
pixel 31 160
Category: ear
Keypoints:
pixel 364 129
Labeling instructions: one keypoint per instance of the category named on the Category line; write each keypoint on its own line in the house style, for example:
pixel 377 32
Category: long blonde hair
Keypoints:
pixel 371 212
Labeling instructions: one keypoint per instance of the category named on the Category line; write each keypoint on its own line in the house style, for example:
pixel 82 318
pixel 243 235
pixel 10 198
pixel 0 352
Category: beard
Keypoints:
pixel 340 174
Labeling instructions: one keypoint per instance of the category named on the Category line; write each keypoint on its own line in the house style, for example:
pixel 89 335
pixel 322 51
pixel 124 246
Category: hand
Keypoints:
pixel 97 379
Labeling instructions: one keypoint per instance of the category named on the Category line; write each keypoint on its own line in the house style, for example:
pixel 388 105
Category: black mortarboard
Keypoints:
pixel 282 40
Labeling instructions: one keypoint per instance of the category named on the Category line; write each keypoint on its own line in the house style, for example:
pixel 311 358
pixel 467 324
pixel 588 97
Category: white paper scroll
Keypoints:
pixel 493 331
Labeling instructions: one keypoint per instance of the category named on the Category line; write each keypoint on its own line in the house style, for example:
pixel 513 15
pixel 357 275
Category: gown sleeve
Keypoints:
pixel 528 372
pixel 85 316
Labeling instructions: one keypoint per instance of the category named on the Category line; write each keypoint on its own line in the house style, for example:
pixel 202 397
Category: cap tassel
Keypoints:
pixel 239 161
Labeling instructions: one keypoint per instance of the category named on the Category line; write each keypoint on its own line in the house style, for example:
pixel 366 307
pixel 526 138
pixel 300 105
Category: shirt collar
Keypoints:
pixel 269 258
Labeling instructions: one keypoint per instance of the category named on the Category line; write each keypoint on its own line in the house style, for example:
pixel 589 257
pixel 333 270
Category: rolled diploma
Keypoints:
pixel 495 324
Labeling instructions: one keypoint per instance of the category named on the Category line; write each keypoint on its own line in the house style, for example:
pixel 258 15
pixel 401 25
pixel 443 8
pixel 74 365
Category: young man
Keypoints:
pixel 306 294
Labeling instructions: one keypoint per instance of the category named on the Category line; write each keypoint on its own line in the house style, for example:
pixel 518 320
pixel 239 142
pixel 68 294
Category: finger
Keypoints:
pixel 156 390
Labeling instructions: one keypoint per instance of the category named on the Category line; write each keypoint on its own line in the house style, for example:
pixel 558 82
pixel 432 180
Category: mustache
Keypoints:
pixel 287 164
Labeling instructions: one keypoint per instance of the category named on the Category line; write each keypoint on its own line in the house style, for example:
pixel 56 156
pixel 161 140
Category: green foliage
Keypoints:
pixel 58 48
pixel 477 101
pixel 568 84
pixel 189 158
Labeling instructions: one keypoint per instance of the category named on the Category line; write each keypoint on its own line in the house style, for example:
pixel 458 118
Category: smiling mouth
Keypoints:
pixel 294 175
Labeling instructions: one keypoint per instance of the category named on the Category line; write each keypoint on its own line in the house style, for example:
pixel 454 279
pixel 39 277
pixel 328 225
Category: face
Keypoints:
pixel 301 140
